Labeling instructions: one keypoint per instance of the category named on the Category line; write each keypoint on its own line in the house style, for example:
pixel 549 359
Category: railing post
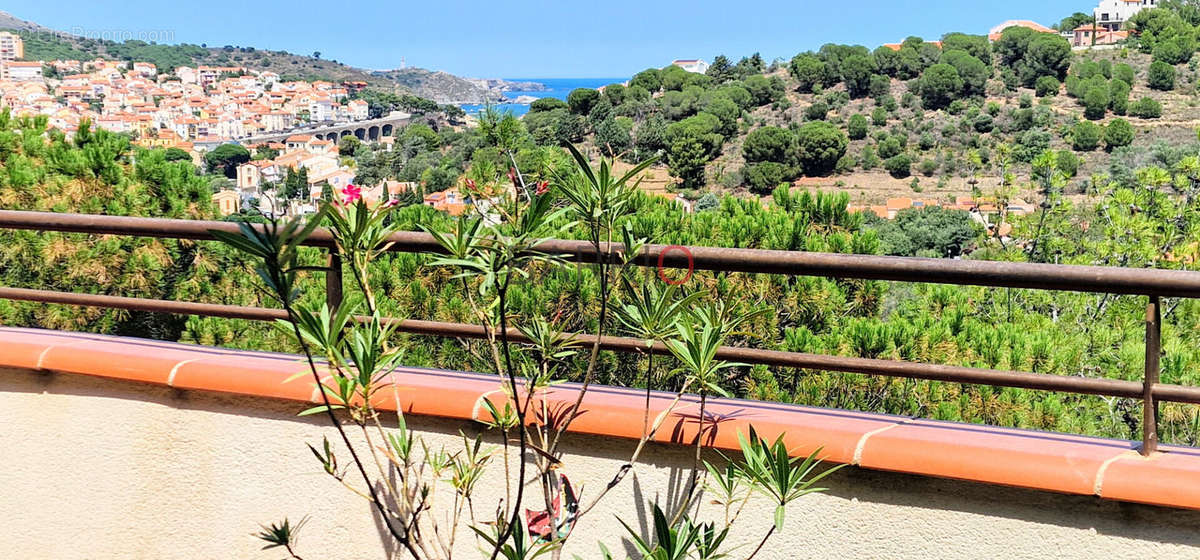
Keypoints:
pixel 1153 351
pixel 333 281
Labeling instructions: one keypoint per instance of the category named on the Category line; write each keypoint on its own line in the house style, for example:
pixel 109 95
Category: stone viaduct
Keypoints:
pixel 372 129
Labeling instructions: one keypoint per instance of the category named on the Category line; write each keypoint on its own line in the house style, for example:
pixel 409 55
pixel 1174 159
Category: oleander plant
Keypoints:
pixel 424 494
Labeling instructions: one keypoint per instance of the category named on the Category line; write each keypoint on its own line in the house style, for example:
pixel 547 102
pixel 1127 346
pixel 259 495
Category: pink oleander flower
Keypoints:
pixel 351 194
pixel 542 188
pixel 512 176
pixel 392 203
pixel 470 184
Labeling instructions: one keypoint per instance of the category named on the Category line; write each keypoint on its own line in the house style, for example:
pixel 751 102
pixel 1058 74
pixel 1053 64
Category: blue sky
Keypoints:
pixel 546 39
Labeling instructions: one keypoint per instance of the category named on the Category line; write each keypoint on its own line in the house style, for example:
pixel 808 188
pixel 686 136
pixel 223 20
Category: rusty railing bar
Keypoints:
pixel 1153 354
pixel 887 368
pixel 333 281
pixel 1075 278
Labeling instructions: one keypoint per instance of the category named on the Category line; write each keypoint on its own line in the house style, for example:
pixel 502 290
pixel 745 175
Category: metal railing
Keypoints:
pixel 1154 284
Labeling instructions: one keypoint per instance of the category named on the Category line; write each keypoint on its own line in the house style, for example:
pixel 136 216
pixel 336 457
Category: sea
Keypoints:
pixel 555 87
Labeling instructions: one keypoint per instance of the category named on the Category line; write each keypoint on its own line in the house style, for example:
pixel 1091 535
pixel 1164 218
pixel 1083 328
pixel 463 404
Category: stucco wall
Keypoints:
pixel 108 469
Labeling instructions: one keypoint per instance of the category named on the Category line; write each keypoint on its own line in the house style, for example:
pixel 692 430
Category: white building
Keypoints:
pixel 358 110
pixel 320 110
pixel 1111 15
pixel 145 69
pixel 692 65
pixel 186 74
pixel 23 71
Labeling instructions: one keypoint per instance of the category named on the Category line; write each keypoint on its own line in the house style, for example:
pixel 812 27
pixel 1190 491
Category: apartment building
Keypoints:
pixel 18 71
pixel 11 46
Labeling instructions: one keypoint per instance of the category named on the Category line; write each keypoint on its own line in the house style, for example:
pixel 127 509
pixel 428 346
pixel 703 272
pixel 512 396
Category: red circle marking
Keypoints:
pixel 691 262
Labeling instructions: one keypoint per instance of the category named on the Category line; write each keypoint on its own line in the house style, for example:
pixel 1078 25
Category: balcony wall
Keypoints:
pixel 119 448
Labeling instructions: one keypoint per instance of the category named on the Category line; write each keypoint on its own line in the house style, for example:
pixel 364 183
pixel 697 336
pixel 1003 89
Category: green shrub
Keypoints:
pixel 769 143
pixel 1118 93
pixel 899 166
pixel 1162 76
pixel 817 111
pixel 939 85
pixel 582 100
pixel 1146 108
pixel 926 141
pixel 1047 86
pixel 857 127
pixel 1124 72
pixel 1075 86
pixel 547 104
pixel 1095 103
pixel 984 123
pixel 845 164
pixel 1068 162
pixel 819 146
pixel 879 116
pixel 765 176
pixel 880 86
pixel 890 147
pixel 1118 133
pixel 927 167
pixel 868 159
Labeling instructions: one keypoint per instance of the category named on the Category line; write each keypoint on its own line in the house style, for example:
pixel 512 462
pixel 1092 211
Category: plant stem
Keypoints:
pixel 523 437
pixel 694 479
pixel 337 424
pixel 761 543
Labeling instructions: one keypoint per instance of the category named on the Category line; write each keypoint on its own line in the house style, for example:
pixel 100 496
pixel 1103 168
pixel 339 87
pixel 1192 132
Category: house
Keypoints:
pixel 449 201
pixel 396 188
pixel 145 69
pixel 252 174
pixel 298 141
pixel 228 201
pixel 898 46
pixel 695 65
pixel 1092 34
pixel 186 74
pixel 994 33
pixel 336 178
pixel 1111 15
pixel 358 110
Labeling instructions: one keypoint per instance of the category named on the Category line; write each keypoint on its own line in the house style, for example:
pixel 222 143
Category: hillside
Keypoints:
pixel 443 87
pixel 932 119
pixel 42 43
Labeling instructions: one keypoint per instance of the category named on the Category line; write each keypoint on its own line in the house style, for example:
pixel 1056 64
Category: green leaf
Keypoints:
pixel 319 409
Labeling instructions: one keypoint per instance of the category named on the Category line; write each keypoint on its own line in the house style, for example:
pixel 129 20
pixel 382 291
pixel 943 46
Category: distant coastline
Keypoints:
pixel 553 87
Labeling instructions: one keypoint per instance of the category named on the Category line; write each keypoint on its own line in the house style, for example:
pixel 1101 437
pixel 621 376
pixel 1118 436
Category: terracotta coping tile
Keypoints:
pixel 246 374
pixel 1167 478
pixel 1030 459
pixel 1025 458
pixel 20 349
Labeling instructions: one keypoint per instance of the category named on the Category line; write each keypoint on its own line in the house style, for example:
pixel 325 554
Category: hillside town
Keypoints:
pixel 204 105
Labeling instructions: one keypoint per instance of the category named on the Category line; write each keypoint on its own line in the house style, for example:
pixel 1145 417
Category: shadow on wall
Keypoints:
pixel 860 491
